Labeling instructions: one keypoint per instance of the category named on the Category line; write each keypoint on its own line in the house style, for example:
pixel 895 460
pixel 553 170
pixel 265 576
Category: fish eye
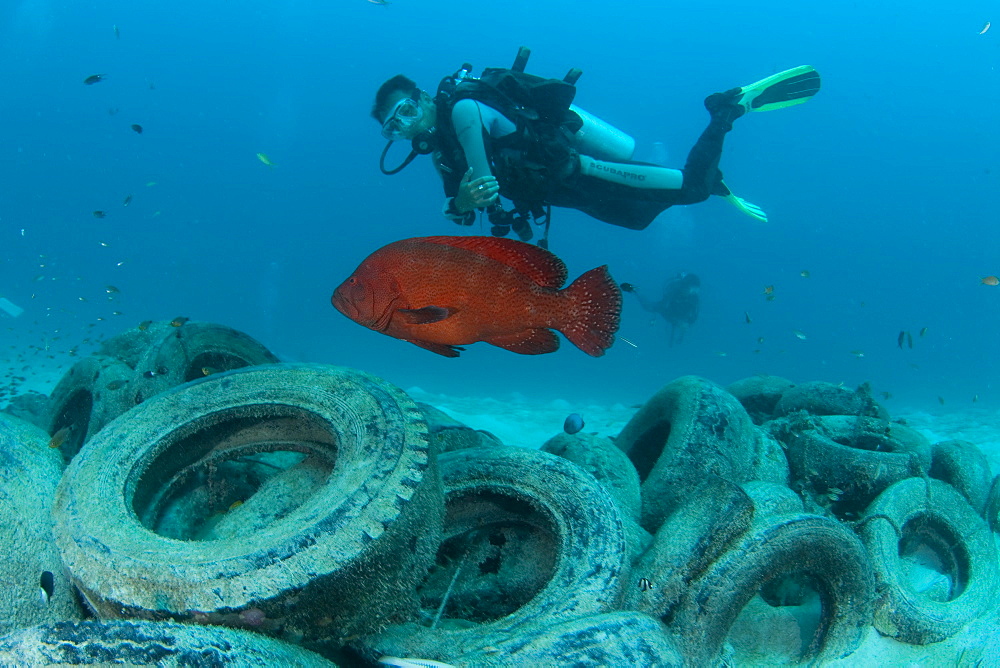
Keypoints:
pixel 352 281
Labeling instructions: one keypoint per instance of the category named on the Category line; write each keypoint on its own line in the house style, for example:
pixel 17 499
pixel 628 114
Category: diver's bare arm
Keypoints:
pixel 479 188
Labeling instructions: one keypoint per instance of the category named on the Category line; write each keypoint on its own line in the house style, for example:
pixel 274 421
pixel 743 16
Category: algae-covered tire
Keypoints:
pixel 193 351
pixel 963 466
pixel 91 394
pixel 851 460
pixel 529 540
pixel 717 513
pixel 601 458
pixel 759 395
pixel 612 639
pixel 130 345
pixel 687 430
pixel 812 549
pixel 449 434
pixel 303 495
pixel 992 510
pixel 821 398
pixel 934 558
pixel 145 643
pixel 29 473
pixel 771 499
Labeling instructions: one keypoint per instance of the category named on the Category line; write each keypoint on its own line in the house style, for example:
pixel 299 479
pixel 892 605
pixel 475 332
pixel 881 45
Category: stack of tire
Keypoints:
pixel 924 512
pixel 301 514
pixel 136 365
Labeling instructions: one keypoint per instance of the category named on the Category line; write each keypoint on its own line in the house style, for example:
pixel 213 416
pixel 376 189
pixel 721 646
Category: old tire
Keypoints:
pixel 845 461
pixel 612 639
pixel 193 351
pixel 689 429
pixel 808 548
pixel 716 514
pixel 449 434
pixel 759 395
pixel 601 458
pixel 340 507
pixel 91 394
pixel 534 540
pixel 992 511
pixel 963 466
pixel 822 398
pixel 144 643
pixel 29 473
pixel 934 558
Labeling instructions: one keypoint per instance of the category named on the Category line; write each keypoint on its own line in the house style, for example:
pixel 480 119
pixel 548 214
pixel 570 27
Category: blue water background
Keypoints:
pixel 884 187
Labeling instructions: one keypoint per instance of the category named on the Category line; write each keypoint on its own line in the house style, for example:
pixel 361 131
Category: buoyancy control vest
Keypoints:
pixel 533 159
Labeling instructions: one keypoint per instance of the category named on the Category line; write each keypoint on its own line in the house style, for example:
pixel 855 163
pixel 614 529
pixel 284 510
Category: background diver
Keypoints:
pixel 679 305
pixel 518 135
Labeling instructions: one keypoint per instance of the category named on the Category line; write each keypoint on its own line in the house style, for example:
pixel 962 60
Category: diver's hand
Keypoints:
pixel 476 193
pixel 749 208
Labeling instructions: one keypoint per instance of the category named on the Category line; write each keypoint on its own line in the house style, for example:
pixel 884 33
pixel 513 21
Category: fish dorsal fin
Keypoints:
pixel 538 264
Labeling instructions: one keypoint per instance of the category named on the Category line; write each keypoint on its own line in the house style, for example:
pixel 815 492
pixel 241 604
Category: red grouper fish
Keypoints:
pixel 443 292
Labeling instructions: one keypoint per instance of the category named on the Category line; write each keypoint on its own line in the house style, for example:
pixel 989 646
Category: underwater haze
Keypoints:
pixel 881 191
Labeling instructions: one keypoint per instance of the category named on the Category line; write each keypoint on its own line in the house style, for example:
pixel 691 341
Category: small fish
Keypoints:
pixel 627 287
pixel 887 395
pixel 208 370
pixel 144 325
pixel 804 273
pixel 150 184
pixel 573 423
pixel 941 400
pixel 149 373
pixel 59 437
pixel 628 342
pixel 266 160
pixel 900 338
pixel 111 290
pixel 799 335
pixel 99 214
pixel 94 78
pixel 136 128
pixel 380 2
pixel 981 32
pixel 923 330
pixel 746 317
pixel 104 243
pixel 768 289
pixel 116 385
pixel 990 280
pixel 127 200
pixel 235 504
pixel 440 293
pixel 118 33
pixel 975 398
pixel 769 298
pixel 858 353
pixel 645 584
pixel 46 586
pixel 909 340
pixel 760 339
pixel 178 321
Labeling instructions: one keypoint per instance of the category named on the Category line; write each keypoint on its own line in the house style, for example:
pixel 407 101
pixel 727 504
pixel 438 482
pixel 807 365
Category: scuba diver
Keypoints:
pixel 520 136
pixel 679 305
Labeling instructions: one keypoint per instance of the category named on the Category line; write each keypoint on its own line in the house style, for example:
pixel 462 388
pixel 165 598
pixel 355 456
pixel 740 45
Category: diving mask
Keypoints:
pixel 404 115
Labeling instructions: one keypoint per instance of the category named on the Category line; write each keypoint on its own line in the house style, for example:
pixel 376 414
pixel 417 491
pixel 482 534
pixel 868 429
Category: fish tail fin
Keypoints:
pixel 593 311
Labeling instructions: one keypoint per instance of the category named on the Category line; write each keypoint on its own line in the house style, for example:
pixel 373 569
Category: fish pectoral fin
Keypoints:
pixel 537 341
pixel 439 348
pixel 425 315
